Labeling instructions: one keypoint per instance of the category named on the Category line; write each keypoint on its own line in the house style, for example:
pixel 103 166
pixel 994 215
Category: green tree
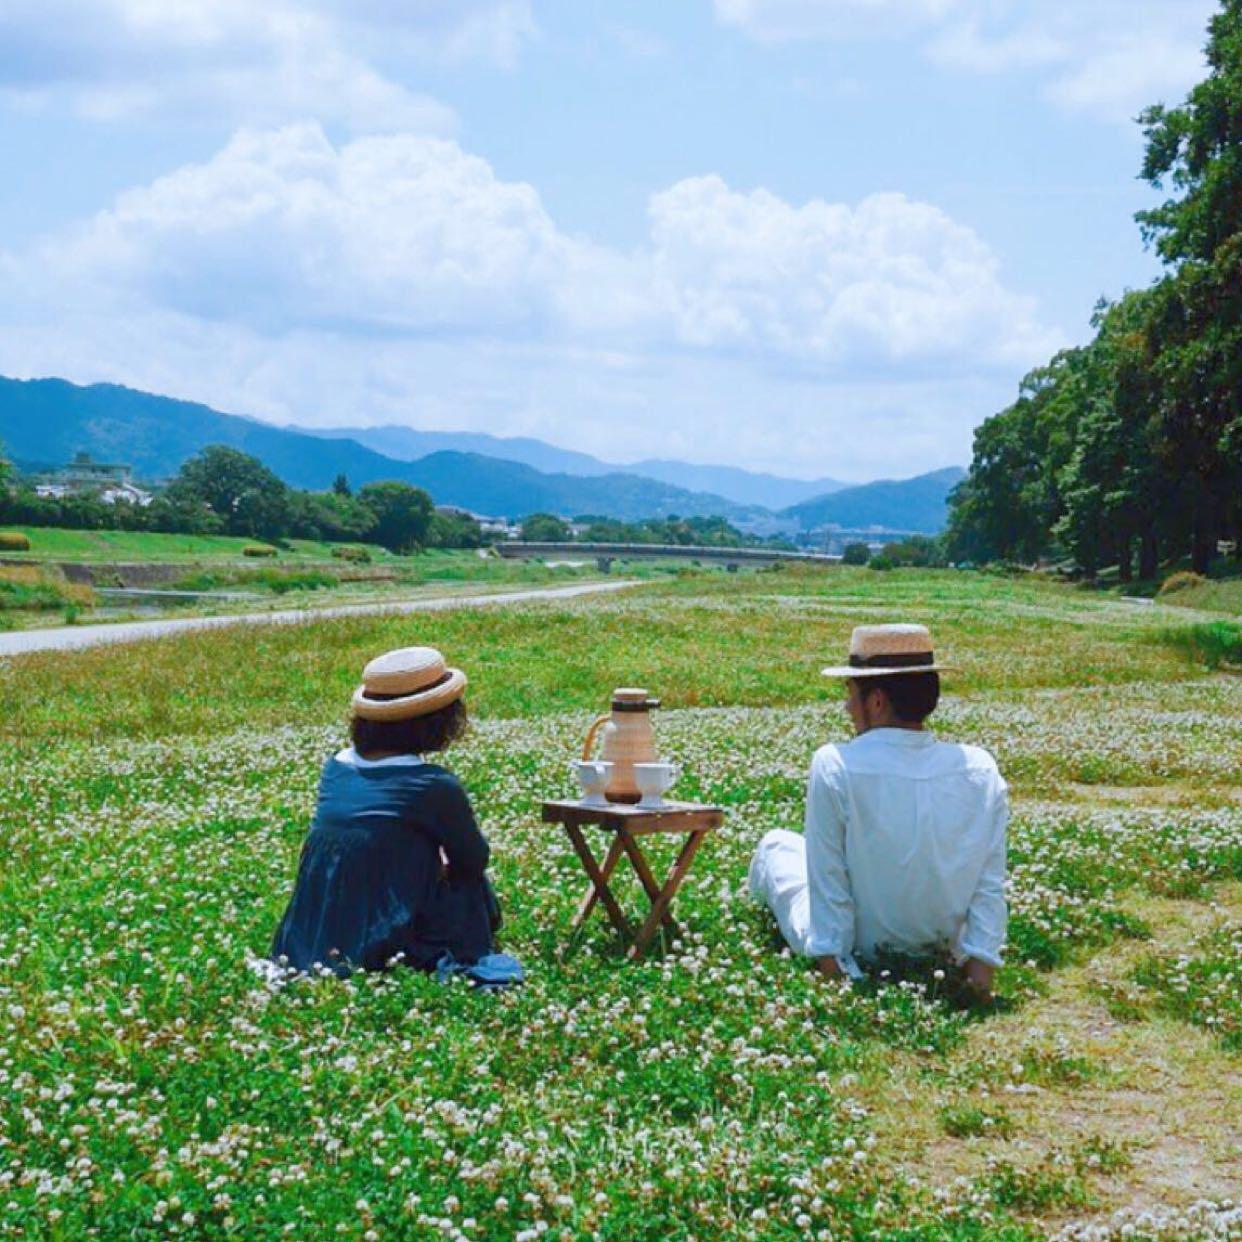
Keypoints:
pixel 1196 150
pixel 330 516
pixel 856 554
pixel 1007 506
pixel 545 528
pixel 919 551
pixel 239 489
pixel 454 530
pixel 402 514
pixel 340 486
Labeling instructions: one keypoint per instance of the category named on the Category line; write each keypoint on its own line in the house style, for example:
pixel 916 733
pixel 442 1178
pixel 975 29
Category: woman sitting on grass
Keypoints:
pixel 393 867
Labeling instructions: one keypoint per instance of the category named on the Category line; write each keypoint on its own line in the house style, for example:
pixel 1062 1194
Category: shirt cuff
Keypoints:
pixel 849 967
pixel 989 956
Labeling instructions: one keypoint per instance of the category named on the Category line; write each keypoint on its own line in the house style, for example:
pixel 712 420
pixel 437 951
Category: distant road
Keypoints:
pixel 72 637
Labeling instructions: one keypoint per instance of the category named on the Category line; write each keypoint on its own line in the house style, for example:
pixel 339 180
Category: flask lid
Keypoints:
pixel 632 699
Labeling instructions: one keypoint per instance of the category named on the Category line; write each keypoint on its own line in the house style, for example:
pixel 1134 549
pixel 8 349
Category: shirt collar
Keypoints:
pixel 353 759
pixel 914 739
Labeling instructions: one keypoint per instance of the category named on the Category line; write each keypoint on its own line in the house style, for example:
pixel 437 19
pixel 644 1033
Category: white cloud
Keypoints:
pixel 297 278
pixel 1106 57
pixel 282 229
pixel 238 61
pixel 890 280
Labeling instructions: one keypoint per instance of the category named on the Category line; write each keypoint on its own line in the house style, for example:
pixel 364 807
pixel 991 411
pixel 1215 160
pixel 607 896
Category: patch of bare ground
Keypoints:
pixel 1161 1098
pixel 1173 794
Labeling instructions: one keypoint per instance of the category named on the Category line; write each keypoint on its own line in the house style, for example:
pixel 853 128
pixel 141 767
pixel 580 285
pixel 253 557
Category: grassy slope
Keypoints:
pixel 153 806
pixel 1219 596
pixel 52 543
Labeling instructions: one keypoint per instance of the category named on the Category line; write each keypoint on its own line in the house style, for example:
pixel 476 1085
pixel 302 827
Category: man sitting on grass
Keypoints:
pixel 904 848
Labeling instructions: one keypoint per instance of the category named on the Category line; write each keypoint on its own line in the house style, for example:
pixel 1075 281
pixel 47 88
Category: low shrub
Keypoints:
pixel 346 552
pixel 1181 581
pixel 258 549
pixel 14 541
pixel 265 579
pixel 35 588
pixel 856 554
pixel 1214 643
pixel 881 562
pixel 303 580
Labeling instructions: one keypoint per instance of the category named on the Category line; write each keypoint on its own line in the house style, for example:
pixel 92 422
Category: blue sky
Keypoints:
pixel 812 236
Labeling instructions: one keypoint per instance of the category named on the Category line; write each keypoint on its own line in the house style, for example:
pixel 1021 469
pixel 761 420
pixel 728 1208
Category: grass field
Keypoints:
pixel 122 545
pixel 153 802
pixel 1219 596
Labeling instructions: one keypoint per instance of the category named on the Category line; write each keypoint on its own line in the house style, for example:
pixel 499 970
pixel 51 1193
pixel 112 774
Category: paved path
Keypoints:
pixel 71 637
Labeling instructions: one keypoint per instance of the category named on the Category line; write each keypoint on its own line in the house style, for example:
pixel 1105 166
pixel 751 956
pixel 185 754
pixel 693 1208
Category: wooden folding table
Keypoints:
pixel 627 823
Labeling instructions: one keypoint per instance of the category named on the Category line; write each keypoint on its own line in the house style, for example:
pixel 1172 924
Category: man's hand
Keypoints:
pixel 979 976
pixel 829 967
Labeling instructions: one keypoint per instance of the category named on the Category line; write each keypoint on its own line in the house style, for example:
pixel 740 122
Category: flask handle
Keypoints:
pixel 589 743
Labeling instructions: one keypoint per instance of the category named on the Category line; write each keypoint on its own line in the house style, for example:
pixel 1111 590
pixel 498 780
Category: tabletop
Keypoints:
pixel 637 820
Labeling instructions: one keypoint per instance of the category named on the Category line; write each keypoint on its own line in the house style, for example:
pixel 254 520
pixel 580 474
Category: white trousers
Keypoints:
pixel 778 880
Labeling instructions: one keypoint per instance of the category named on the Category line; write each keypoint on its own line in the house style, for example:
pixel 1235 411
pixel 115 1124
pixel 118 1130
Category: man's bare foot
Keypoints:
pixel 830 968
pixel 979 976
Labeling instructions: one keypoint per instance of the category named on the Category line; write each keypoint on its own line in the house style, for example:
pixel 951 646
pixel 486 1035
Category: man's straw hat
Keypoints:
pixel 883 650
pixel 408 682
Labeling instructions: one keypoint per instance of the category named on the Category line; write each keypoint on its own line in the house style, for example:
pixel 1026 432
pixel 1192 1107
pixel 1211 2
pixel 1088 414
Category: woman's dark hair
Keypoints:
pixel 913 695
pixel 418 735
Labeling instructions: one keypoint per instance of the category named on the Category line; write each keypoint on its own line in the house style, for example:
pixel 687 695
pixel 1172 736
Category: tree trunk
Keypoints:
pixel 1125 560
pixel 1202 549
pixel 1149 555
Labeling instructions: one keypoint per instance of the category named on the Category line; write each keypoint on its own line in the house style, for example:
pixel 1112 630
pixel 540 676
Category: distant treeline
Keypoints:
pixel 227 492
pixel 1130 448
pixel 703 532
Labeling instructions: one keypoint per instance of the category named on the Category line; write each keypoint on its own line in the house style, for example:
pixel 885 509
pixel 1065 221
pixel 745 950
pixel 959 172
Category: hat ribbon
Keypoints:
pixel 408 694
pixel 907 659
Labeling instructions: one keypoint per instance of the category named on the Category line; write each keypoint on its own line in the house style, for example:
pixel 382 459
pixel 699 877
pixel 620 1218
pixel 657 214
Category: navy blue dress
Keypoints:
pixel 370 881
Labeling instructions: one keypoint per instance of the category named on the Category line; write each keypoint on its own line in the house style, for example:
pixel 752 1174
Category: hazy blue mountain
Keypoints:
pixel 409 444
pixel 918 504
pixel 744 487
pixel 747 487
pixel 47 421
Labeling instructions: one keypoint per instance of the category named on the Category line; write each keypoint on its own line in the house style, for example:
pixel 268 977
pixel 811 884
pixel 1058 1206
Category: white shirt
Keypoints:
pixel 905 847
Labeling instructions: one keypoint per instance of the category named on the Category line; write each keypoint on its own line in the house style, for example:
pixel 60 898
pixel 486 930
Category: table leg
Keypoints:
pixel 648 881
pixel 591 896
pixel 660 906
pixel 599 880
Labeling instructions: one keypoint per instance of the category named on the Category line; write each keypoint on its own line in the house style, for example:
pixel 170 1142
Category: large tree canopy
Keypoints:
pixel 1135 441
pixel 239 489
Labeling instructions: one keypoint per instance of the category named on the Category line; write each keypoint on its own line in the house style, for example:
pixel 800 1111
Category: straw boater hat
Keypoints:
pixel 408 682
pixel 882 650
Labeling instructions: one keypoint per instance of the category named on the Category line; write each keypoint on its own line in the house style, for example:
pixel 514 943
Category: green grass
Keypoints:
pixel 1212 643
pixel 153 801
pixel 36 589
pixel 119 545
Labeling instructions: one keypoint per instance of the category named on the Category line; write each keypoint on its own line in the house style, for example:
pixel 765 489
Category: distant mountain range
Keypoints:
pixel 916 504
pixel 43 423
pixel 743 487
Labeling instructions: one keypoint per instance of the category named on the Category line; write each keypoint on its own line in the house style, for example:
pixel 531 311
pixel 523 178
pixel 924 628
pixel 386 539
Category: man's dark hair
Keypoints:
pixel 913 695
pixel 419 735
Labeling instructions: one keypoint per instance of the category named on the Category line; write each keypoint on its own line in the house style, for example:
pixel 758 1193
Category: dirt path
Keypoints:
pixel 73 637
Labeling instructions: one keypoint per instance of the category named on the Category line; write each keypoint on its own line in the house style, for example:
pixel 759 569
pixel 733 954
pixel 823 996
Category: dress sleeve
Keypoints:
pixel 456 831
pixel 831 900
pixel 988 917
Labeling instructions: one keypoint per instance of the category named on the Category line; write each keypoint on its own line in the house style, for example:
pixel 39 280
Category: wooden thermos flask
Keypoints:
pixel 628 738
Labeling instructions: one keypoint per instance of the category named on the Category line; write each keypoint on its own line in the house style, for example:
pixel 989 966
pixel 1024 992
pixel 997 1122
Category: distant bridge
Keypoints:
pixel 605 553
